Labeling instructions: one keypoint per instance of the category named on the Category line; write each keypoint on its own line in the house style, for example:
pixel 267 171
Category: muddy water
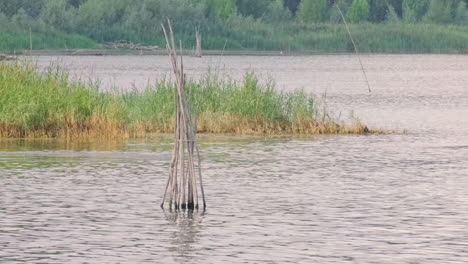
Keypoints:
pixel 399 198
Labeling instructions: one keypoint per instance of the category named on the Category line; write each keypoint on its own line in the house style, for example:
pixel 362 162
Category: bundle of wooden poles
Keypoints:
pixel 184 176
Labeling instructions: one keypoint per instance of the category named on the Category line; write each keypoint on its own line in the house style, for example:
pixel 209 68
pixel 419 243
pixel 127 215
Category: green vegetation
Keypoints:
pixel 50 105
pixel 313 11
pixel 299 25
pixel 358 11
pixel 54 40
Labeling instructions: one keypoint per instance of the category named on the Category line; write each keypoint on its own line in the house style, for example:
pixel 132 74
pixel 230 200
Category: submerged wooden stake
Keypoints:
pixel 30 41
pixel 182 184
pixel 198 49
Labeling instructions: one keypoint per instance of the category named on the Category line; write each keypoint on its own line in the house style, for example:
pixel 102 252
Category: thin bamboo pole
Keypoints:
pixel 182 185
pixel 201 179
pixel 355 47
pixel 30 41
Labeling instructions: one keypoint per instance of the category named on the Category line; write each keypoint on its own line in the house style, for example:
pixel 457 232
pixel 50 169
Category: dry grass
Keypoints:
pixel 208 122
pixel 225 123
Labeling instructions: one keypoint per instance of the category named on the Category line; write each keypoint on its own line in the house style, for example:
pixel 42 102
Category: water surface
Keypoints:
pixel 398 198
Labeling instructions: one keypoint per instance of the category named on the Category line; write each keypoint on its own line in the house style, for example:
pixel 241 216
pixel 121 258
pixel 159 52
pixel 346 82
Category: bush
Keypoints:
pixel 312 11
pixel 439 12
pixel 392 17
pixel 335 16
pixel 358 11
pixel 461 14
pixel 414 10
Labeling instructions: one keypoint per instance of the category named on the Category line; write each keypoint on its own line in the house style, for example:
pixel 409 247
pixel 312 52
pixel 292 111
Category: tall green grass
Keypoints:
pixel 391 38
pixel 257 35
pixel 11 41
pixel 328 38
pixel 49 104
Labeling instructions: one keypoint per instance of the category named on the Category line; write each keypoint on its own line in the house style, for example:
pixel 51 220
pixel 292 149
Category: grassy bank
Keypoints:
pixel 382 38
pixel 378 38
pixel 14 41
pixel 48 104
pixel 327 38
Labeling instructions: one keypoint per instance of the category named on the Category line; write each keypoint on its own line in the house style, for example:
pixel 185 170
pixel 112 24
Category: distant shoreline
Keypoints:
pixel 162 52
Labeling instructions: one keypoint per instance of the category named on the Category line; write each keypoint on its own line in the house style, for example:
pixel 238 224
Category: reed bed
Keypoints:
pixel 18 41
pixel 49 104
pixel 333 38
pixel 259 36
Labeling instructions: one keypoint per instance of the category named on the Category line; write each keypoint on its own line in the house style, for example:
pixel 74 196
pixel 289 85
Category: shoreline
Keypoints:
pixel 163 52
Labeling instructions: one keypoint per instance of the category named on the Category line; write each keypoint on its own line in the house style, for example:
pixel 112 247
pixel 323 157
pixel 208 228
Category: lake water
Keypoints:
pixel 397 198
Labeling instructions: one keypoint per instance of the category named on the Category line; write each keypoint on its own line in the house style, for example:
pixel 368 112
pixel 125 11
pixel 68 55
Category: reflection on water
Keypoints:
pixel 398 198
pixel 327 199
pixel 48 144
pixel 185 236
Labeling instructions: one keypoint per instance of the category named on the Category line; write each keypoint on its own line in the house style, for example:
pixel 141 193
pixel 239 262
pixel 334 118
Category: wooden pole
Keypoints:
pixel 198 49
pixel 30 41
pixel 182 184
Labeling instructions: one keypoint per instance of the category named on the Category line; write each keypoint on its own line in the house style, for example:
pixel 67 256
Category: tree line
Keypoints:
pixel 108 20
